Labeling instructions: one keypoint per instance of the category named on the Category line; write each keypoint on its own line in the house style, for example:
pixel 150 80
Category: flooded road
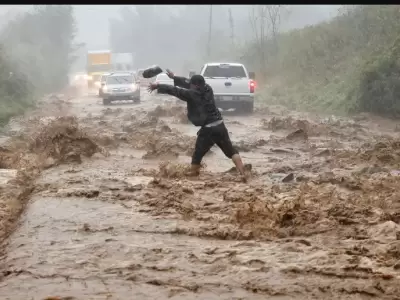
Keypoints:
pixel 319 218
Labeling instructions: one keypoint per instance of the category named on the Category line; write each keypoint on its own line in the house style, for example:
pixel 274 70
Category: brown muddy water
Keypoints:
pixel 111 215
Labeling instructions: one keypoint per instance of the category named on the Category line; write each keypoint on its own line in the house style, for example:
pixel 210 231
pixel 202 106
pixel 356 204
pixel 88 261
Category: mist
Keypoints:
pixel 187 25
pixel 183 25
pixel 94 35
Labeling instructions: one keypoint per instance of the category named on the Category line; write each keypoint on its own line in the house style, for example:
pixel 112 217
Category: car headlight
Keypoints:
pixel 133 87
pixel 88 77
pixel 97 83
pixel 104 89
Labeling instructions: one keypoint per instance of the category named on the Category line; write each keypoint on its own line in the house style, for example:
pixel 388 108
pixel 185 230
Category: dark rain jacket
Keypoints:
pixel 201 108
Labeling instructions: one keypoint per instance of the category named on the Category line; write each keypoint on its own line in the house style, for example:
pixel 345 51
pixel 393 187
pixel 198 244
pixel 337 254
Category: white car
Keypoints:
pixel 164 79
pixel 121 86
pixel 233 86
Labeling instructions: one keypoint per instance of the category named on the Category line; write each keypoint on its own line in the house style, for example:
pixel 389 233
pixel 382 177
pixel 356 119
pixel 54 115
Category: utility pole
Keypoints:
pixel 209 33
pixel 111 35
pixel 232 27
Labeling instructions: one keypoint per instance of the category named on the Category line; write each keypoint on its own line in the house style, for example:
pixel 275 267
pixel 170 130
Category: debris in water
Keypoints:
pixel 63 140
pixel 298 134
pixel 288 178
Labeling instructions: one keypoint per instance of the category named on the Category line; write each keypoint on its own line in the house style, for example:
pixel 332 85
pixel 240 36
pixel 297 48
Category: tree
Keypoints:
pixel 41 42
pixel 265 21
pixel 57 32
pixel 232 27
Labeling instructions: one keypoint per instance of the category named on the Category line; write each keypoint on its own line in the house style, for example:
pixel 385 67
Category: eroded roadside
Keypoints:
pixel 112 216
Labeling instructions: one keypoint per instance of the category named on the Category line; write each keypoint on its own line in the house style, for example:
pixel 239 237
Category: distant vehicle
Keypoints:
pixel 164 79
pixel 122 61
pixel 140 72
pixel 121 86
pixel 143 81
pixel 79 78
pixel 233 86
pixel 98 62
pixel 102 83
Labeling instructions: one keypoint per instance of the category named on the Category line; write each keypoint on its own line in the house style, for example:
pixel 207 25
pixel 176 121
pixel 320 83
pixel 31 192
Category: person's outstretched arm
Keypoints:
pixel 180 93
pixel 182 82
pixel 179 81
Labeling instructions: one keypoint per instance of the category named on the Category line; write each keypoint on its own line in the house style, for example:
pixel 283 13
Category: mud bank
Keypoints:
pixel 318 220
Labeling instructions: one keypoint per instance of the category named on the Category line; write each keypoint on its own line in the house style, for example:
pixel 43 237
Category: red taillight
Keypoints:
pixel 252 85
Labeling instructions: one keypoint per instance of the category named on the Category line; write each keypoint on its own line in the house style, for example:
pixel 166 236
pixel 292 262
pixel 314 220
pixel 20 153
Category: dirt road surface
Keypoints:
pixel 111 215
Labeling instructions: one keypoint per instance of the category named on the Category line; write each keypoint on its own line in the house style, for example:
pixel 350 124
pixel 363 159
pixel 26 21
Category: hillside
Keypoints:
pixel 34 57
pixel 349 64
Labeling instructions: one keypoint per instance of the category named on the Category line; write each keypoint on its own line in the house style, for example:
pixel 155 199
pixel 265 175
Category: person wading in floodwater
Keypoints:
pixel 202 112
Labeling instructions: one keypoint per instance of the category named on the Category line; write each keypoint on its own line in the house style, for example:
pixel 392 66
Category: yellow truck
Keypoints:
pixel 98 63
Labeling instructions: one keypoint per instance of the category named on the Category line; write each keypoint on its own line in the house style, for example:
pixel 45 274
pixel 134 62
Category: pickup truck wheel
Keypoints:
pixel 247 107
pixel 250 107
pixel 106 101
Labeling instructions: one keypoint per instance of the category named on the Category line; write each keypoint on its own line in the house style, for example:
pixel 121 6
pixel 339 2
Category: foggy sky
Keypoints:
pixel 93 21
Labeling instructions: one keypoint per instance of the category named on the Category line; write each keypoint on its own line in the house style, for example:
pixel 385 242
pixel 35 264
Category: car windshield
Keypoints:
pixel 226 71
pixel 162 77
pixel 119 79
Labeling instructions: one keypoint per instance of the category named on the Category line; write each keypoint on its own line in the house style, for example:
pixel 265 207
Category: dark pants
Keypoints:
pixel 207 137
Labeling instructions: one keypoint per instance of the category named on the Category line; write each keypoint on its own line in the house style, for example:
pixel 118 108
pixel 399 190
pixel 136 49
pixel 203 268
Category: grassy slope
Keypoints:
pixel 15 91
pixel 11 109
pixel 330 67
pixel 14 94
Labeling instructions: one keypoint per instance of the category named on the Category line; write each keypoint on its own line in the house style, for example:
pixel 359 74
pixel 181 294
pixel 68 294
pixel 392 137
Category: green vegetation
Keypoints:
pixel 349 64
pixel 14 90
pixel 35 56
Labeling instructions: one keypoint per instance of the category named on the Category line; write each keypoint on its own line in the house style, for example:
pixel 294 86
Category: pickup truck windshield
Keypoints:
pixel 119 79
pixel 225 71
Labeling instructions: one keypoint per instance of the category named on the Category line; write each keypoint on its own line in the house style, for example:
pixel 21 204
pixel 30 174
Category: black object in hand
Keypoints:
pixel 151 72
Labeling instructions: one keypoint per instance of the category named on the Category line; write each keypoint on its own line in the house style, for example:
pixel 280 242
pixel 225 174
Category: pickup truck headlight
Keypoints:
pixel 104 89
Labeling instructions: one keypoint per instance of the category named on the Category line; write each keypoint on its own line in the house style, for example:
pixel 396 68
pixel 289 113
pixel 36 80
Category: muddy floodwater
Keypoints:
pixel 110 213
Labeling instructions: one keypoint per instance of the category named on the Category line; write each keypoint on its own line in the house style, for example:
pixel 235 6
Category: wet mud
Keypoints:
pixel 98 205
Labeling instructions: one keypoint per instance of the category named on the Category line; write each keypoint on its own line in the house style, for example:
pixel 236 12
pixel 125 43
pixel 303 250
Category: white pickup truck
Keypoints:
pixel 233 86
